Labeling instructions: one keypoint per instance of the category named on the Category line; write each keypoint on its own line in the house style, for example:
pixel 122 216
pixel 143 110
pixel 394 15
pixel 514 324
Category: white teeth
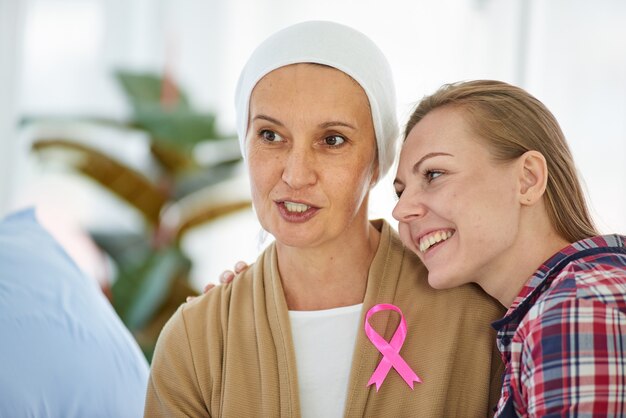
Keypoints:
pixel 431 239
pixel 296 207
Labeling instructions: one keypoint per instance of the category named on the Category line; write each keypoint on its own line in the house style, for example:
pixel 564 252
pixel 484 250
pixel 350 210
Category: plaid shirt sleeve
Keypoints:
pixel 571 360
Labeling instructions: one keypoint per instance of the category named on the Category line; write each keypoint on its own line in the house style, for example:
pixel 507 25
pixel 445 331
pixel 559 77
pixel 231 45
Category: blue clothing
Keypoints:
pixel 63 350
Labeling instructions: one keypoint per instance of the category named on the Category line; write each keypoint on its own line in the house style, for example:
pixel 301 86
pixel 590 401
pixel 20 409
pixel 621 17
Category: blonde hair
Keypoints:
pixel 512 122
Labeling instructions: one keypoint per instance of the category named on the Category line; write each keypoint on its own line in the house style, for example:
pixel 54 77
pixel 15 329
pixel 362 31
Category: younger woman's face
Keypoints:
pixel 458 208
pixel 311 154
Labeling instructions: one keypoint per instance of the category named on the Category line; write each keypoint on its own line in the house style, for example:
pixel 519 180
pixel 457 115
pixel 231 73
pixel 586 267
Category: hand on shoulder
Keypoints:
pixel 227 276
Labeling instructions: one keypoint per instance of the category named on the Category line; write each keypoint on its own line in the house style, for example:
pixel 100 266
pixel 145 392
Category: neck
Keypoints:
pixel 532 248
pixel 329 276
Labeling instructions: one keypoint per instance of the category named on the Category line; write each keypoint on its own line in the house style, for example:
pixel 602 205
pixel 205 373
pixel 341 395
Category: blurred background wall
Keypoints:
pixel 58 60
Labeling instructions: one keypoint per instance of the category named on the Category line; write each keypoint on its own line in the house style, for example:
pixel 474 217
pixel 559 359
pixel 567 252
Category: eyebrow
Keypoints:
pixel 324 125
pixel 416 166
pixel 269 119
pixel 332 123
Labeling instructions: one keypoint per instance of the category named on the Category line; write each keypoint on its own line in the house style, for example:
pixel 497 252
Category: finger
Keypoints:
pixel 240 266
pixel 208 287
pixel 190 298
pixel 227 277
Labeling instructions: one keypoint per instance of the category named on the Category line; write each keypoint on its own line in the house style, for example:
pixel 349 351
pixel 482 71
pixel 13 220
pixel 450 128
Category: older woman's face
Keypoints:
pixel 311 154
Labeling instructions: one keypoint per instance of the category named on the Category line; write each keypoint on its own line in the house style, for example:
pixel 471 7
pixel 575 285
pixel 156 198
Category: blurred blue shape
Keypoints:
pixel 64 351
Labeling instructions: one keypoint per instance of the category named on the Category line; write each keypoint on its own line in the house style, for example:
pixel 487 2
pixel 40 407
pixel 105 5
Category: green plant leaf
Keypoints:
pixel 139 292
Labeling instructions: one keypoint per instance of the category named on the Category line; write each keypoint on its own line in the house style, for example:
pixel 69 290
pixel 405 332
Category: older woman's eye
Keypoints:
pixel 270 136
pixel 334 140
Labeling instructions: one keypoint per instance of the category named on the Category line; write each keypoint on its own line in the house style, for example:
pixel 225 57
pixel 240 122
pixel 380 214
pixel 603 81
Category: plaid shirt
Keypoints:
pixel 563 340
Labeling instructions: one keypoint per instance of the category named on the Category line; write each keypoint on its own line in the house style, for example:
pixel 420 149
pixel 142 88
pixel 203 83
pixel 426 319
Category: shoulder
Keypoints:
pixel 467 294
pixel 30 256
pixel 598 276
pixel 595 259
pixel 608 256
pixel 467 302
pixel 464 300
pixel 61 325
pixel 25 243
pixel 190 357
pixel 203 323
pixel 588 293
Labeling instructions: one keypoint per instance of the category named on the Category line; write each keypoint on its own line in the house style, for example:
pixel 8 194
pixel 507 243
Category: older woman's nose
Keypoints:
pixel 299 170
pixel 409 207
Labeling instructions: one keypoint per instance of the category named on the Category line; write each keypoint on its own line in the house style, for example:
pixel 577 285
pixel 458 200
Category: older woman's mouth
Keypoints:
pixel 296 207
pixel 296 211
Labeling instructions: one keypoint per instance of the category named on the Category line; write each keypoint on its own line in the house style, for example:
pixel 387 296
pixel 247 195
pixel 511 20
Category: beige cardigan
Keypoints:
pixel 229 353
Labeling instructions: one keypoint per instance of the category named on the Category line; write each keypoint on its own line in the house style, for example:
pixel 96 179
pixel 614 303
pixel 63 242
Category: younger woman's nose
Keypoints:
pixel 408 207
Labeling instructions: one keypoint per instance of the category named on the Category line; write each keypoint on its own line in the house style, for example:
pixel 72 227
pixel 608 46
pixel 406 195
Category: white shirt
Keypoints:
pixel 324 344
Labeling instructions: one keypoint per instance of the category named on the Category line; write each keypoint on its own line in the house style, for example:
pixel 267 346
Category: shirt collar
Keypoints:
pixel 543 276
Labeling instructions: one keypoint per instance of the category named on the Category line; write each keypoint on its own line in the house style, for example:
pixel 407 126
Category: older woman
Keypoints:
pixel 489 194
pixel 298 333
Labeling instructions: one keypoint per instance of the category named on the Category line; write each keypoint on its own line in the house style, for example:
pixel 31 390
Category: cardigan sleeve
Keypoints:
pixel 173 389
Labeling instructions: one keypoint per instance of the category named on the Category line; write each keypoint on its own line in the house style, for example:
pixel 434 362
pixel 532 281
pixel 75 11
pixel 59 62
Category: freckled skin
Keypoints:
pixel 474 196
pixel 300 166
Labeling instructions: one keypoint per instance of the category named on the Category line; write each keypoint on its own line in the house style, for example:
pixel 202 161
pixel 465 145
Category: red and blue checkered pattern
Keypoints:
pixel 563 340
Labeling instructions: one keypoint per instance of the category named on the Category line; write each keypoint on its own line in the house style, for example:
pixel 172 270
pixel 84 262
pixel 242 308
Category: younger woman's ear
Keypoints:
pixel 533 177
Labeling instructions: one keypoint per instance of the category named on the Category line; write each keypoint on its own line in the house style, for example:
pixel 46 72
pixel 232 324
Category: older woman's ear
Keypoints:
pixel 533 177
pixel 375 174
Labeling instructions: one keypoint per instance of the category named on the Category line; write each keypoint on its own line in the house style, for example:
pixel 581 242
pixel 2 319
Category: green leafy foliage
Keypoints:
pixel 151 269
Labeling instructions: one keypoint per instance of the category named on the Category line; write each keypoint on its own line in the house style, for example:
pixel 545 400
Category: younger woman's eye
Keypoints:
pixel 431 175
pixel 334 140
pixel 399 193
pixel 270 136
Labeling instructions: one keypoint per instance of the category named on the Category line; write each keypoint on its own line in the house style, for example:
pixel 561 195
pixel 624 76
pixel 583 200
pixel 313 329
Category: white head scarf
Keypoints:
pixel 337 46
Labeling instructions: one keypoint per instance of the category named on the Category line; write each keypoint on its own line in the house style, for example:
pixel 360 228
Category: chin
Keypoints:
pixel 293 240
pixel 440 282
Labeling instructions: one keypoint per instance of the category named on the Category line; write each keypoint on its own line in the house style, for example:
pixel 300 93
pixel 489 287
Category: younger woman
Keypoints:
pixel 488 193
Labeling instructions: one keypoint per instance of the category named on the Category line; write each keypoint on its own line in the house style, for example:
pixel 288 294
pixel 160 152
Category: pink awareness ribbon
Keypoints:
pixel 389 350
